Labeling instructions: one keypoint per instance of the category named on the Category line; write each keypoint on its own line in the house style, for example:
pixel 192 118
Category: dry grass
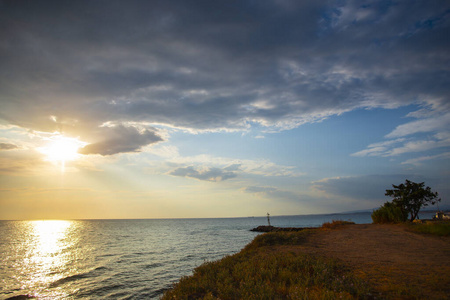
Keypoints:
pixel 336 224
pixel 262 270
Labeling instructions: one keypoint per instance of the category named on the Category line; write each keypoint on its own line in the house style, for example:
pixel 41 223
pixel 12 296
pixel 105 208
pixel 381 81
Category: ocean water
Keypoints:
pixel 122 259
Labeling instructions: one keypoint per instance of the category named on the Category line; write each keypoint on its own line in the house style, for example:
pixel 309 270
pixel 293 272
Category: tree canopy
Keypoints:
pixel 410 197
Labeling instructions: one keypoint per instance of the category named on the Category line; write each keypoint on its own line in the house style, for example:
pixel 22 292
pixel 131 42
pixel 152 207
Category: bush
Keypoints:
pixel 388 213
pixel 336 224
pixel 278 239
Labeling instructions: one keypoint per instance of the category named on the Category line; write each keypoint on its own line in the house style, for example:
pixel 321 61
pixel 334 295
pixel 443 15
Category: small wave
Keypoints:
pixel 21 297
pixel 154 294
pixel 101 268
pixel 102 291
pixel 68 279
pixel 155 265
pixel 107 255
pixel 188 257
pixel 77 277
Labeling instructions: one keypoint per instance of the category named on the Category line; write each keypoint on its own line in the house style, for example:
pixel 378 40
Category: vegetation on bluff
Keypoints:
pixel 268 268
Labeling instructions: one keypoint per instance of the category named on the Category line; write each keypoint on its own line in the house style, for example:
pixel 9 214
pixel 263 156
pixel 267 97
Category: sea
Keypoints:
pixel 123 259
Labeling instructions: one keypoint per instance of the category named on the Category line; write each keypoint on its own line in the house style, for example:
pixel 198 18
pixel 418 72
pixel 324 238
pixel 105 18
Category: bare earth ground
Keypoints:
pixel 392 259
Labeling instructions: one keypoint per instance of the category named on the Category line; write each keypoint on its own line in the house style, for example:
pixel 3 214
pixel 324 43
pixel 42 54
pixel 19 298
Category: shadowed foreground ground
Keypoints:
pixel 390 257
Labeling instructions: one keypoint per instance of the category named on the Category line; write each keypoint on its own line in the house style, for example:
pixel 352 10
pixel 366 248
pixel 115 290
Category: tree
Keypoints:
pixel 410 197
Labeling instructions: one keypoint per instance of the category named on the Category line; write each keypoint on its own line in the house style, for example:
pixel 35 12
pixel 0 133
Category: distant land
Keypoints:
pixel 427 210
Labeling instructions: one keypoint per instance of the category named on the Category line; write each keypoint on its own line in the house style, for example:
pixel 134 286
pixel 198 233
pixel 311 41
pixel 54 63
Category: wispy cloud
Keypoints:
pixel 379 149
pixel 272 193
pixel 432 125
pixel 419 160
pixel 433 122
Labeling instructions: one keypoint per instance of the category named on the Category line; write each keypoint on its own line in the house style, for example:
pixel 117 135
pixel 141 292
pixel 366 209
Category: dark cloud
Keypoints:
pixel 8 146
pixel 121 139
pixel 369 187
pixel 208 174
pixel 216 65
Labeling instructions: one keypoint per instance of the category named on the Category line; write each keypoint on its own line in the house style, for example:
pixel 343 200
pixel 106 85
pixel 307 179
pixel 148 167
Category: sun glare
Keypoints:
pixel 61 149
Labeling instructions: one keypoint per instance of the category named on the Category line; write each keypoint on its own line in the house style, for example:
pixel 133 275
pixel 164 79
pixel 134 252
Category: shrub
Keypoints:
pixel 336 224
pixel 277 239
pixel 388 213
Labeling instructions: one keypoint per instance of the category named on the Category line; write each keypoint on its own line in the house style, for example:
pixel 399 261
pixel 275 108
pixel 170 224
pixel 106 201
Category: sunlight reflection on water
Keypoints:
pixel 44 256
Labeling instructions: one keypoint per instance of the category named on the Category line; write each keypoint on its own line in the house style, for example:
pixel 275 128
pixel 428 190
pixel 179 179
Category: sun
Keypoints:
pixel 61 149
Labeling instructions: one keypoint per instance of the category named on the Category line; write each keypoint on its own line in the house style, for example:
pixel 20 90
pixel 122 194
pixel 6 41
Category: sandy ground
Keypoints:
pixel 392 259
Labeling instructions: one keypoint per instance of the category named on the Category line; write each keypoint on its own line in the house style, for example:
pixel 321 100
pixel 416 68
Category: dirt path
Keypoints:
pixel 394 260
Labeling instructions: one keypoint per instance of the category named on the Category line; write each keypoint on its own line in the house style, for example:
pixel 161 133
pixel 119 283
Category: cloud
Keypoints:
pixel 272 192
pixel 200 66
pixel 259 189
pixel 421 146
pixel 368 187
pixel 120 139
pixel 433 122
pixel 429 132
pixel 378 149
pixel 21 163
pixel 8 146
pixel 207 174
pixel 258 167
pixel 419 160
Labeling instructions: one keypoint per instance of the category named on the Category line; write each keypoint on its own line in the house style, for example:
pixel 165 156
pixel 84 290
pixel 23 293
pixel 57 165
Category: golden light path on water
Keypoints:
pixel 47 256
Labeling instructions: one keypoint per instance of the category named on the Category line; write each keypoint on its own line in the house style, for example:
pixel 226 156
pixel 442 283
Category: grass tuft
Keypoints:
pixel 336 224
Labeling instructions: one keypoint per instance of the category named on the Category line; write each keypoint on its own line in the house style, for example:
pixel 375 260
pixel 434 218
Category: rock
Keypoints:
pixel 276 229
pixel 263 229
pixel 21 297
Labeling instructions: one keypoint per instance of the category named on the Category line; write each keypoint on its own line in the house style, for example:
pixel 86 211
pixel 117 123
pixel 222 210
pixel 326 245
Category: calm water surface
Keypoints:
pixel 121 259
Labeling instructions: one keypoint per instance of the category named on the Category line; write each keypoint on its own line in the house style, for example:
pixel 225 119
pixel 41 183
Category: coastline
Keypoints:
pixel 359 261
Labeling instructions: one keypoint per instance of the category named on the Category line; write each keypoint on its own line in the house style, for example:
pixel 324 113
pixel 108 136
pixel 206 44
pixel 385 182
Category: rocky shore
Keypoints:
pixel 277 229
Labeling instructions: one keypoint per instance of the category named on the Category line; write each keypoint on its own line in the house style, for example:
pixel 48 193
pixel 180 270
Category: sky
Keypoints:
pixel 186 109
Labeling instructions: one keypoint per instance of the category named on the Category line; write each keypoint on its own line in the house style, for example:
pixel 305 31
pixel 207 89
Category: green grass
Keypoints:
pixel 263 270
pixel 441 228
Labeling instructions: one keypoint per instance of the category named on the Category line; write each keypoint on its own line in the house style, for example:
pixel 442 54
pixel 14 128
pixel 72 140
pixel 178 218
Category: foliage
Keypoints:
pixel 260 272
pixel 388 213
pixel 277 238
pixel 336 224
pixel 436 228
pixel 410 197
